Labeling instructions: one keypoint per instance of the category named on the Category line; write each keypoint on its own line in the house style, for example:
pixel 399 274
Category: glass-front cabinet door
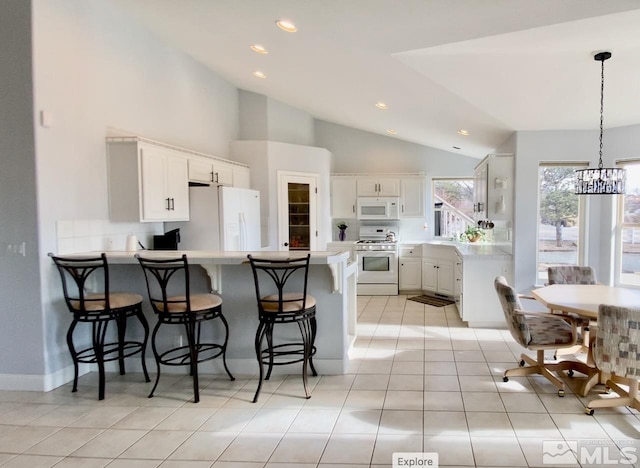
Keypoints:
pixel 297 212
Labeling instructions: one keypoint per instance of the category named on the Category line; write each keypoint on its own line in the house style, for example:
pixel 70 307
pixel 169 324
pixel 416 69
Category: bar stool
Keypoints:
pixel 99 309
pixel 188 310
pixel 284 306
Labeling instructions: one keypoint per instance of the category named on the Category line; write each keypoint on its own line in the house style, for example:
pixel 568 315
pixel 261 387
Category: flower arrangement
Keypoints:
pixel 342 234
pixel 472 234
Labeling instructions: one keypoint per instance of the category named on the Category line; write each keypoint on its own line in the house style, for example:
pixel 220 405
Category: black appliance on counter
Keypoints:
pixel 167 241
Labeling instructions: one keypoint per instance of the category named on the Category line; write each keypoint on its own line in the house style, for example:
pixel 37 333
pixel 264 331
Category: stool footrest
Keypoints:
pixel 286 349
pixel 110 352
pixel 182 356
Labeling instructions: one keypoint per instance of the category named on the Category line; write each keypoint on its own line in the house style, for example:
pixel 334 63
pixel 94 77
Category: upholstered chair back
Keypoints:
pixel 617 343
pixel 510 303
pixel 571 275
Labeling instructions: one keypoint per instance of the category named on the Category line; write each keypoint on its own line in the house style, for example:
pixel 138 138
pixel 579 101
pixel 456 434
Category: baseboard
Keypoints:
pixel 45 383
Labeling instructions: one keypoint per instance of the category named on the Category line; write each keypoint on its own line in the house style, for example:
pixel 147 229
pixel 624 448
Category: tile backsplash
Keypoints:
pixel 102 235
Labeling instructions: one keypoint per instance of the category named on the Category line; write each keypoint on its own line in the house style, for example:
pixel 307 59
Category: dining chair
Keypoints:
pixel 99 308
pixel 537 331
pixel 169 290
pixel 563 274
pixel 286 302
pixel 616 353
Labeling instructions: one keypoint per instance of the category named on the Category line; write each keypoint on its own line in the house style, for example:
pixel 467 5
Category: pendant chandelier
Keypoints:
pixel 603 180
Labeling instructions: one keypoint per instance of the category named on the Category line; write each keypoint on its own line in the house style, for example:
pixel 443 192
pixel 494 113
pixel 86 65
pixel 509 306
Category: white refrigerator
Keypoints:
pixel 221 218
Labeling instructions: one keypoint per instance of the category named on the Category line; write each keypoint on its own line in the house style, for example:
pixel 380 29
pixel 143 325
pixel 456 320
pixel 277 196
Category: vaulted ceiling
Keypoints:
pixel 490 67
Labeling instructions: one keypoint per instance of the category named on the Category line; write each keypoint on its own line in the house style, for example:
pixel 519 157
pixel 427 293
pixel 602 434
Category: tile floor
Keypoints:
pixel 419 380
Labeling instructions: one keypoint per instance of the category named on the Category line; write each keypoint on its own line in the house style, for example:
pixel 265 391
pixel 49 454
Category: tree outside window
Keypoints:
pixel 559 218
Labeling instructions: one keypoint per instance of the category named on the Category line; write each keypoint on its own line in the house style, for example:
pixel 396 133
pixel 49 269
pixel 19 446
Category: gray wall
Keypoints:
pixel 263 118
pixel 532 148
pixel 98 72
pixel 21 344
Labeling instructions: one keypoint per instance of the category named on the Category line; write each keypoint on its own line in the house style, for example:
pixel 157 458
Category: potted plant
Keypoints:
pixel 342 234
pixel 472 234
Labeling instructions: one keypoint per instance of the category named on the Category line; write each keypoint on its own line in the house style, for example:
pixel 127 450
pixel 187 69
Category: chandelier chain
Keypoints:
pixel 601 111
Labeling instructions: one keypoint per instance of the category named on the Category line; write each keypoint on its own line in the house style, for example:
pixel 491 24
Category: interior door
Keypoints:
pixel 297 211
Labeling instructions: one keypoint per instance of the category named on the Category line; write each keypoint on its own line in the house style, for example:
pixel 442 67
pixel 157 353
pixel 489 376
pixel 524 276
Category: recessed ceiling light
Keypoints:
pixel 392 131
pixel 463 132
pixel 286 25
pixel 258 48
pixel 456 147
pixel 381 105
pixel 259 74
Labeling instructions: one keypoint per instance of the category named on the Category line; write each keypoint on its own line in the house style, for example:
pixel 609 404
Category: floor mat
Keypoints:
pixel 432 300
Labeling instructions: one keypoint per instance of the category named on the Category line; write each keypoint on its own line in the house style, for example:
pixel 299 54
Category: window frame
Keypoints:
pixel 433 194
pixel 620 225
pixel 583 204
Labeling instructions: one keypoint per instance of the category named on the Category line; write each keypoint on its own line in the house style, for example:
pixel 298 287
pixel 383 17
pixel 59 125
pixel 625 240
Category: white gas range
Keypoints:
pixel 377 254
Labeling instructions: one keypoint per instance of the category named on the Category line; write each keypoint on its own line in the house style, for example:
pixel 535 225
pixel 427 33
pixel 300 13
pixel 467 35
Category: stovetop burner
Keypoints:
pixel 374 241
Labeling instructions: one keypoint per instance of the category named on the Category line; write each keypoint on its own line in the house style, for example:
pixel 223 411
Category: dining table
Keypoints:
pixel 583 300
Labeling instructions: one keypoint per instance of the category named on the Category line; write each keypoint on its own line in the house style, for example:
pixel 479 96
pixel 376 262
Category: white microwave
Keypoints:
pixel 378 208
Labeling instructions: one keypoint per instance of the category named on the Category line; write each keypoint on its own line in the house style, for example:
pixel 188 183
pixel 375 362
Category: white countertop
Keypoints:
pixel 217 257
pixel 470 249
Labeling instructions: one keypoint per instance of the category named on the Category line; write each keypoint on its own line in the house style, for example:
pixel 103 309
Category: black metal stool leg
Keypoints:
pixel 143 351
pixel 258 345
pixel 224 346
pixel 270 348
pixel 74 355
pixel 306 333
pixel 121 324
pixel 99 332
pixel 314 329
pixel 156 356
pixel 192 340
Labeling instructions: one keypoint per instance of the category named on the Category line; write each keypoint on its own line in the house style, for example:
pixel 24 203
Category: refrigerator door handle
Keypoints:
pixel 243 232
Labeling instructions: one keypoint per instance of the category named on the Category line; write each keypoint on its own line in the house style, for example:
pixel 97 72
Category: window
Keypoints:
pixel 628 232
pixel 560 217
pixel 453 206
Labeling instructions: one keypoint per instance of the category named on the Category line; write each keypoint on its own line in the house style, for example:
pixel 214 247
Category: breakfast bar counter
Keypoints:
pixel 332 282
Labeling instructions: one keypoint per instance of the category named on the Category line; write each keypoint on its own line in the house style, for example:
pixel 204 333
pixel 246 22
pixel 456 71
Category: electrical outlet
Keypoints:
pixel 14 249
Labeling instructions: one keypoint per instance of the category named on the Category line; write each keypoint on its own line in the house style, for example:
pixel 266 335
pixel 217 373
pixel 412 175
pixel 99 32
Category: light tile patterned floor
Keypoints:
pixel 419 380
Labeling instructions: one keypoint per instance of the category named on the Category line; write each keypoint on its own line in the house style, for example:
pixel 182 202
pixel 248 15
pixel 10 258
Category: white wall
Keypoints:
pixel 265 160
pixel 95 71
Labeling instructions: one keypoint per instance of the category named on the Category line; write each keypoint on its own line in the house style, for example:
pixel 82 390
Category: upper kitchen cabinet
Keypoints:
pixel 147 181
pixel 343 197
pixel 241 176
pixel 378 187
pixel 210 171
pixel 493 188
pixel 412 197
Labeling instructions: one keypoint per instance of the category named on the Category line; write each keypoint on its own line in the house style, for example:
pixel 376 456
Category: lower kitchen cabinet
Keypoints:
pixel 475 295
pixel 437 276
pixel 410 271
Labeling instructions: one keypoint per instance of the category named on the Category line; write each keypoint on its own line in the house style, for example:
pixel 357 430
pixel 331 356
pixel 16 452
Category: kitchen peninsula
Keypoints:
pixel 228 274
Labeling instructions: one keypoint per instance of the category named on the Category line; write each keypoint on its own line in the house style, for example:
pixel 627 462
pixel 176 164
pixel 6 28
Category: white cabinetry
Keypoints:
pixel 493 188
pixel 412 197
pixel 477 301
pixel 343 197
pixel 437 269
pixel 410 272
pixel 241 177
pixel 378 187
pixel 210 171
pixel 147 182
